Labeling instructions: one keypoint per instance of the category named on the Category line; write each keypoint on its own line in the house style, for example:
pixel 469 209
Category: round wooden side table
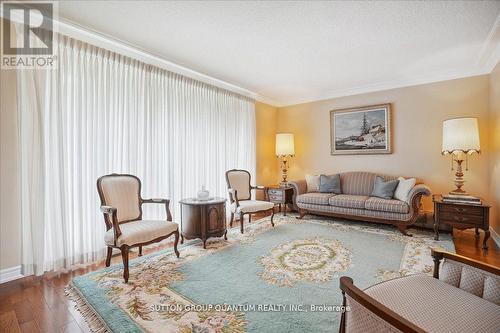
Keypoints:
pixel 203 219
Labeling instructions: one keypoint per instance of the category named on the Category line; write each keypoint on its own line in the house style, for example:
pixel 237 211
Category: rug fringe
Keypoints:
pixel 93 320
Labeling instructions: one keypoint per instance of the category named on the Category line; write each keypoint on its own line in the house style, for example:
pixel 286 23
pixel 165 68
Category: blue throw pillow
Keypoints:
pixel 384 189
pixel 329 184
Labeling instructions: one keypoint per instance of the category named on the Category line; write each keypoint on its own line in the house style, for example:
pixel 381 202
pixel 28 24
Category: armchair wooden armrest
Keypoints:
pixel 369 305
pixel 166 202
pixel 438 255
pixel 233 196
pixel 111 213
pixel 261 188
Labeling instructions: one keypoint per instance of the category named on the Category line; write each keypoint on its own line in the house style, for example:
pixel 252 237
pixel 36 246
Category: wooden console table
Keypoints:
pixel 462 216
pixel 203 219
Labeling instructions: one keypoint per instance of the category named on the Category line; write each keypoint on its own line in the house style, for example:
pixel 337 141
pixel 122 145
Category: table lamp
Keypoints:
pixel 284 150
pixel 460 139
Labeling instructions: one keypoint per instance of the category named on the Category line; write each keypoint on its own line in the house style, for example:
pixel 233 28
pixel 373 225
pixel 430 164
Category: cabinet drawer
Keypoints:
pixel 462 219
pixel 460 210
pixel 275 198
pixel 275 192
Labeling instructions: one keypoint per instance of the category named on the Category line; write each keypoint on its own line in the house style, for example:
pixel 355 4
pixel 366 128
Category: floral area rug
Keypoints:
pixel 281 279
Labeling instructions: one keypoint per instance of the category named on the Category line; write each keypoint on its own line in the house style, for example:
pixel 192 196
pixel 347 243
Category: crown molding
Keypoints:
pixel 74 30
pixel 489 54
pixel 486 60
pixel 387 85
pixel 90 36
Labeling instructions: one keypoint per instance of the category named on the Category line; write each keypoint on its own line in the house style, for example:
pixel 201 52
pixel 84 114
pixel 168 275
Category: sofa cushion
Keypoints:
pixel 312 183
pixel 357 183
pixel 436 306
pixel 384 188
pixel 348 201
pixel 387 205
pixel 329 184
pixel 404 188
pixel 314 198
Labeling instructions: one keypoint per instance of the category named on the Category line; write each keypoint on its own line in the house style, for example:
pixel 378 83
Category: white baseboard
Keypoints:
pixel 9 274
pixel 495 236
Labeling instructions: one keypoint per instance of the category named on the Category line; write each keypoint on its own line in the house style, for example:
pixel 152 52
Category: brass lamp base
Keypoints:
pixel 284 171
pixel 458 192
pixel 459 179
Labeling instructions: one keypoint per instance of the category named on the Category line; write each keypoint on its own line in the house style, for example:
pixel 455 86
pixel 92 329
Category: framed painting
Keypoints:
pixel 363 130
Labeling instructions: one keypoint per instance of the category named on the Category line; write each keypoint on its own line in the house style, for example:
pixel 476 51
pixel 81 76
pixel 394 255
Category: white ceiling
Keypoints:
pixel 294 52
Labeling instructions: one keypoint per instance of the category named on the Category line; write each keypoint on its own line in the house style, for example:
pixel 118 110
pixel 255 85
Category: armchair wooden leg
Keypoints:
pixel 176 242
pixel 124 249
pixel 249 218
pixel 231 221
pixel 140 251
pixel 241 222
pixel 272 217
pixel 108 256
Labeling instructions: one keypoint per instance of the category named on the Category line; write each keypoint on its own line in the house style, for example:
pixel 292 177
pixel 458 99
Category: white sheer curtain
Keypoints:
pixel 99 113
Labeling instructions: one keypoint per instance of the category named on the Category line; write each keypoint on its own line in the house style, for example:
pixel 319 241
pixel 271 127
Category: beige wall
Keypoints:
pixel 417 115
pixel 495 145
pixel 266 117
pixel 10 217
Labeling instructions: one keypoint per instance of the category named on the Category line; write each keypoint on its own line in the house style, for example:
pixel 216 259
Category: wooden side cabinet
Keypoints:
pixel 203 219
pixel 462 216
pixel 281 196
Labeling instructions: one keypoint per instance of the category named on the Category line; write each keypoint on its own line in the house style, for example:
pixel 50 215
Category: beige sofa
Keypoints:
pixel 462 296
pixel 356 203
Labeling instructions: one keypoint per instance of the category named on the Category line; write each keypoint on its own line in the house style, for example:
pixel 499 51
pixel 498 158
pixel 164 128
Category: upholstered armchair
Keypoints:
pixel 240 196
pixel 121 205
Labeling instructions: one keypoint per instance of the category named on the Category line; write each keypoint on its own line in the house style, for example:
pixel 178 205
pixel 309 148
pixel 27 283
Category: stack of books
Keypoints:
pixel 464 199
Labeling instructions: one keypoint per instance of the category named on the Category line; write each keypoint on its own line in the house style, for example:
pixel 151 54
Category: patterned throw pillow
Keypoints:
pixel 384 189
pixel 312 183
pixel 329 184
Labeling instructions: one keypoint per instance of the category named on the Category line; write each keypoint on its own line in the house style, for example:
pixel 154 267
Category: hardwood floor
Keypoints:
pixel 38 304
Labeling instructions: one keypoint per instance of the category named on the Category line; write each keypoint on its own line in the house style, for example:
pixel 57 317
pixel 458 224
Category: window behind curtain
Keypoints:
pixel 100 113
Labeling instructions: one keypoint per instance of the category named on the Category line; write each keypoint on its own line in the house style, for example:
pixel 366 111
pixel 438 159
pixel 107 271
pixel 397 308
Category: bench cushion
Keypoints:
pixel 471 279
pixel 387 205
pixel 436 306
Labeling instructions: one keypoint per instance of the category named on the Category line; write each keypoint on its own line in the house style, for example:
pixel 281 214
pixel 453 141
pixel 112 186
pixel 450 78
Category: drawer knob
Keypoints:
pixel 460 218
pixel 460 210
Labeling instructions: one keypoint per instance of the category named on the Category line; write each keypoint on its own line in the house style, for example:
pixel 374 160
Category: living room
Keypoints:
pixel 250 166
